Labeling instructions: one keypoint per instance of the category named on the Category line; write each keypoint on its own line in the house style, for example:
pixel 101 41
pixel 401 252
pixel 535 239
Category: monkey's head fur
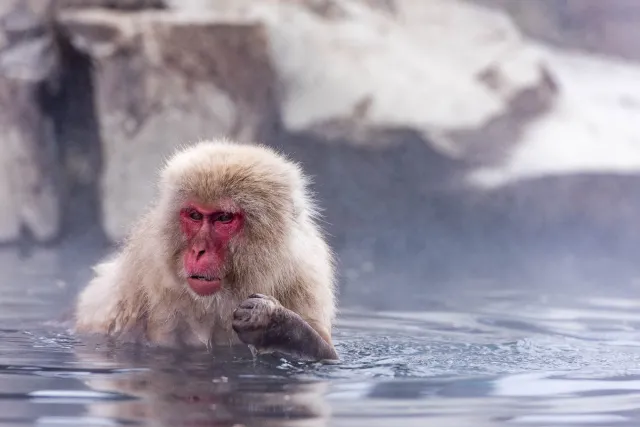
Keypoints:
pixel 228 214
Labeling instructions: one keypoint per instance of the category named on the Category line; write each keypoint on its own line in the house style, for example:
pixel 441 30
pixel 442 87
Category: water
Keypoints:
pixel 483 353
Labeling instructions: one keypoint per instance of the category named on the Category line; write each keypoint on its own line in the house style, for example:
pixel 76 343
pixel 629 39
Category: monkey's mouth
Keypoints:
pixel 205 278
pixel 204 285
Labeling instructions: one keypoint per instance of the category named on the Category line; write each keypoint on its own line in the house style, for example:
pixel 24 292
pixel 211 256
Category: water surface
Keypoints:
pixel 483 353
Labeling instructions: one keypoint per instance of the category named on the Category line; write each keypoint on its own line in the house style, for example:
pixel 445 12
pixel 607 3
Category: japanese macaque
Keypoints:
pixel 230 252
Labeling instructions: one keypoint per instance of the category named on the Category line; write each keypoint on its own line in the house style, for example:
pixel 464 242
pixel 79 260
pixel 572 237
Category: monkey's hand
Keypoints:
pixel 260 321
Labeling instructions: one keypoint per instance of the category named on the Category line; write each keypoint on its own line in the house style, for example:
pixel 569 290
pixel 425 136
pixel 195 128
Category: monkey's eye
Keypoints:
pixel 195 215
pixel 225 217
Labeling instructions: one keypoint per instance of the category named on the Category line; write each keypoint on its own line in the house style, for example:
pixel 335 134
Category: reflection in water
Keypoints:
pixel 479 355
pixel 202 390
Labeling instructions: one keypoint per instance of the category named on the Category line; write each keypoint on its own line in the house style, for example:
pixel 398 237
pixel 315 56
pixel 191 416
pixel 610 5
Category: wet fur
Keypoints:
pixel 141 293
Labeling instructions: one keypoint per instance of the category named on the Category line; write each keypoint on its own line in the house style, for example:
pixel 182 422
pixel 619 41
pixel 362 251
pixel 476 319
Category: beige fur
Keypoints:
pixel 141 292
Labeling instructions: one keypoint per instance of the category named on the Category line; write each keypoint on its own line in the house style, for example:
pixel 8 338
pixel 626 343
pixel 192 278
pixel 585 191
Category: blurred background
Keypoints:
pixel 449 140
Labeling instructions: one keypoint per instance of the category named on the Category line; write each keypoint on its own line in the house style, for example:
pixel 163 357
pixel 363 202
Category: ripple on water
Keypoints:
pixel 519 359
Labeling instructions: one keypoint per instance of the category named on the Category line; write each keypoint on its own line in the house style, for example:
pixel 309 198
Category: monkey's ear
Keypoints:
pixel 297 207
pixel 302 198
pixel 299 202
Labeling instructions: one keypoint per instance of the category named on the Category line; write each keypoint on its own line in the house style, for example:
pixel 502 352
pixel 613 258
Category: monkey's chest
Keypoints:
pixel 207 333
pixel 186 331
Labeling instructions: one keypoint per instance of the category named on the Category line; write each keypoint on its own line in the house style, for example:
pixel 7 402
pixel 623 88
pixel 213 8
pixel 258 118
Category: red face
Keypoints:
pixel 208 232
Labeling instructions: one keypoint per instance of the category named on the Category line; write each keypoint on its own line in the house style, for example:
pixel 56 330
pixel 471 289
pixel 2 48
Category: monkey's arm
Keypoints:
pixel 262 322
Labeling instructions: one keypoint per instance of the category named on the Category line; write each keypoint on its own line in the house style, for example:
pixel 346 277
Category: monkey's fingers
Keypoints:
pixel 252 318
pixel 263 297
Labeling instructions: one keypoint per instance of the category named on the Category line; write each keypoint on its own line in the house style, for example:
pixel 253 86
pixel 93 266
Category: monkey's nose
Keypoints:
pixel 199 253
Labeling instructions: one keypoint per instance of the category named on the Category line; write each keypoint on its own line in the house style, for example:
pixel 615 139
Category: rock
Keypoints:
pixel 591 127
pixel 161 81
pixel 29 170
pixel 577 166
pixel 603 27
pixel 349 71
pixel 130 5
pixel 452 83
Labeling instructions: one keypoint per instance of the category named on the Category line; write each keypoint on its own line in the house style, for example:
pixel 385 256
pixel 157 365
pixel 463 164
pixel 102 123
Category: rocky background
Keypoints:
pixel 442 135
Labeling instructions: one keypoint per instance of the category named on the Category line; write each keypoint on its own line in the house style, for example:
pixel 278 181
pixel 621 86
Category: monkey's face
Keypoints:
pixel 226 213
pixel 208 230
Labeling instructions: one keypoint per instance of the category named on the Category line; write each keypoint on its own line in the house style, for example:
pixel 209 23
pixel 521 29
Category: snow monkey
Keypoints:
pixel 229 252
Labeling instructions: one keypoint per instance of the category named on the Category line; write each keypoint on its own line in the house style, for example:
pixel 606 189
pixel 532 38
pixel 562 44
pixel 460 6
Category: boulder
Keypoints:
pixel 130 5
pixel 604 27
pixel 577 166
pixel 434 131
pixel 591 128
pixel 340 71
pixel 30 184
pixel 162 81
pixel 350 69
